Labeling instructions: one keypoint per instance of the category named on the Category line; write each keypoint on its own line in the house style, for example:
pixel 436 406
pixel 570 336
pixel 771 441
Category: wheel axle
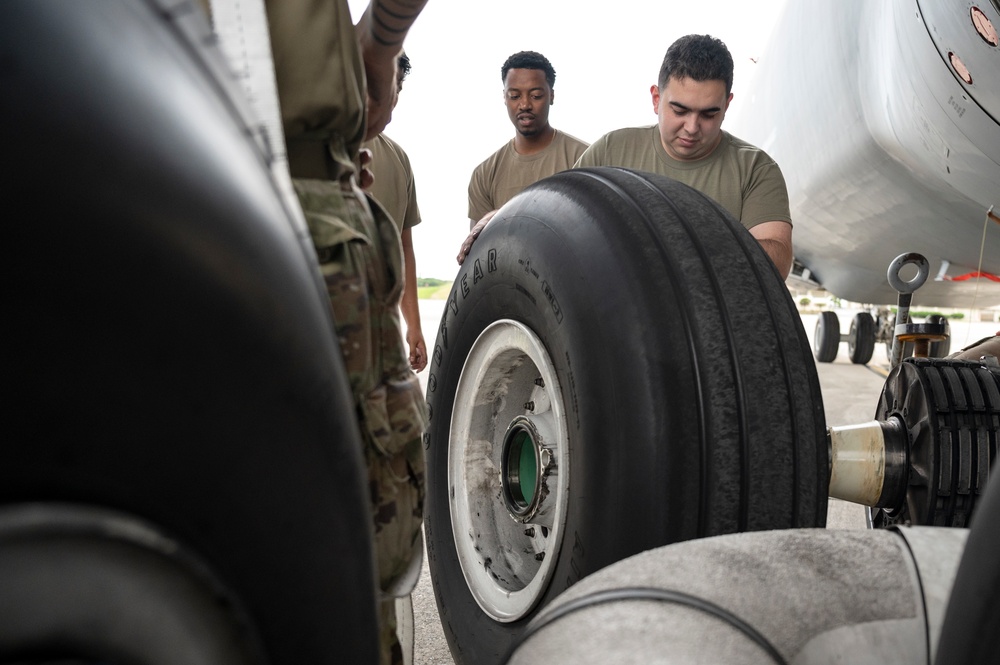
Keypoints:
pixel 926 458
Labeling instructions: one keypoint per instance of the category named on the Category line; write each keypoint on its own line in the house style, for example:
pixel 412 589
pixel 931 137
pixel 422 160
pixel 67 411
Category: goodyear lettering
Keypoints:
pixel 492 258
pixel 576 574
pixel 526 264
pixel 453 302
pixel 571 385
pixel 465 286
pixel 438 354
pixel 443 330
pixel 477 272
pixel 547 290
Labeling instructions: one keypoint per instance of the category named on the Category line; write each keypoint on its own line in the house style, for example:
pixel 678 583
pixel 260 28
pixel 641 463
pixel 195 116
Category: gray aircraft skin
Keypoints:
pixel 885 120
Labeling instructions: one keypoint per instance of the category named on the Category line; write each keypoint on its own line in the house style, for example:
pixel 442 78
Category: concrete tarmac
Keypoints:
pixel 850 396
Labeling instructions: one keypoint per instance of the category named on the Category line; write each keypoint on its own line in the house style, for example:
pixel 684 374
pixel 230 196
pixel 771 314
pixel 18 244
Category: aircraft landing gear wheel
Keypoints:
pixel 826 339
pixel 593 396
pixel 533 464
pixel 861 338
pixel 83 584
pixel 950 410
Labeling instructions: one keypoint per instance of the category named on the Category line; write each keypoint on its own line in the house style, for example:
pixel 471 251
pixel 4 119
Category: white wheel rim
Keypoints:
pixel 508 547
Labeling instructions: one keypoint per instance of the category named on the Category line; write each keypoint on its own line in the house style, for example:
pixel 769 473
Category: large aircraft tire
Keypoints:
pixel 619 367
pixel 861 338
pixel 87 584
pixel 173 356
pixel 826 338
pixel 970 631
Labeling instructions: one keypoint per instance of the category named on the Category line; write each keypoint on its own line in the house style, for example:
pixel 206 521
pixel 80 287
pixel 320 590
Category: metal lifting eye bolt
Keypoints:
pixel 896 280
pixel 920 334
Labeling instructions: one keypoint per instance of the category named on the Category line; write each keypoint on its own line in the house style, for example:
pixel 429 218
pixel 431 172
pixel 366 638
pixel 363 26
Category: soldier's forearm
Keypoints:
pixel 388 21
pixel 780 253
pixel 409 303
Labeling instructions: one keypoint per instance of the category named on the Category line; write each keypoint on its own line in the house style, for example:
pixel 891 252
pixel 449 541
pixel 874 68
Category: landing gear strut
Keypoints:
pixel 926 458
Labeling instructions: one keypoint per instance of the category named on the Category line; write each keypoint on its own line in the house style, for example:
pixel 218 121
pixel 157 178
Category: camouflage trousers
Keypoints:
pixel 360 258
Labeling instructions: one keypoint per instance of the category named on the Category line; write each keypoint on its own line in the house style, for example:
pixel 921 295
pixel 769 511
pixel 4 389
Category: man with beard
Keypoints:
pixel 537 150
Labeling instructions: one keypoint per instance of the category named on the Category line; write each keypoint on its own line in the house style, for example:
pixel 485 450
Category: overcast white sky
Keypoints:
pixel 451 114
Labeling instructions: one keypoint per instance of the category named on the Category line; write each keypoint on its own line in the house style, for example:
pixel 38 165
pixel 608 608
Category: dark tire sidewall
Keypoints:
pixel 501 276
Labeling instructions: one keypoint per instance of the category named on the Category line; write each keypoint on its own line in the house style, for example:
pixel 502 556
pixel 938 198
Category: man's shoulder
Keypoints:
pixel 491 162
pixel 627 136
pixel 383 147
pixel 620 147
pixel 392 145
pixel 745 150
pixel 630 132
pixel 569 139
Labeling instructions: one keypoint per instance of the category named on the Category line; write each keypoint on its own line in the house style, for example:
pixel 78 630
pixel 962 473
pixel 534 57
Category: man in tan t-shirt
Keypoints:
pixel 537 150
pixel 394 188
pixel 688 144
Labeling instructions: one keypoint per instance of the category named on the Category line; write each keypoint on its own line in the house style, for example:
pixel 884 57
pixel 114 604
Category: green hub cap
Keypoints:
pixel 521 466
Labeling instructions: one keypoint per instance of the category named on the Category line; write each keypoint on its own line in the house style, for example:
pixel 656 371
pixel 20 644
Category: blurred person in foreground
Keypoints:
pixel 336 87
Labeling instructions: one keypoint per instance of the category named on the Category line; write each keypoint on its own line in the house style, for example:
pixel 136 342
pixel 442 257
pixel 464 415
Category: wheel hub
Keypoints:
pixel 508 464
pixel 525 465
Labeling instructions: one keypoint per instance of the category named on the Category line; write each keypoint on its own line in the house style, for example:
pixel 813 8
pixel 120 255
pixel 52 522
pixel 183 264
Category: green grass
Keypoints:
pixel 437 291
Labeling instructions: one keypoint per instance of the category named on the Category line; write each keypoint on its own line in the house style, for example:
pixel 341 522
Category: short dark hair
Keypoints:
pixel 402 68
pixel 529 60
pixel 698 57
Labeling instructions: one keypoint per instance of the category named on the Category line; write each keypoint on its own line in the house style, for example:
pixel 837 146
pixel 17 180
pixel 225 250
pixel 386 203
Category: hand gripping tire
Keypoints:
pixel 619 367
